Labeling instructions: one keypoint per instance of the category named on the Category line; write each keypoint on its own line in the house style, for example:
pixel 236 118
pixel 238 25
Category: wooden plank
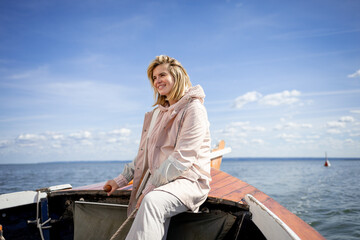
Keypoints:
pixel 218 184
pixel 239 194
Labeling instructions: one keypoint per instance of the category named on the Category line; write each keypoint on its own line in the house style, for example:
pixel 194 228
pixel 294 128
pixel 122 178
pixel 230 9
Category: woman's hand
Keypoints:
pixel 148 189
pixel 139 201
pixel 113 186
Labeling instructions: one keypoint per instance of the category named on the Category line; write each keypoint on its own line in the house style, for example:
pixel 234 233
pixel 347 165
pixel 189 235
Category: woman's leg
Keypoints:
pixel 154 215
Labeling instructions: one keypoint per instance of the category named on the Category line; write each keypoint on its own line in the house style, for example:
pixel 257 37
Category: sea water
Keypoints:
pixel 326 198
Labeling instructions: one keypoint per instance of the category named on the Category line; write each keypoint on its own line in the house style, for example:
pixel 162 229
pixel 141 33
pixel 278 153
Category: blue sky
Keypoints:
pixel 282 78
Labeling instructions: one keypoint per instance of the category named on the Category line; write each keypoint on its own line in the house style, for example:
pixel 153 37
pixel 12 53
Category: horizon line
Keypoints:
pixel 224 159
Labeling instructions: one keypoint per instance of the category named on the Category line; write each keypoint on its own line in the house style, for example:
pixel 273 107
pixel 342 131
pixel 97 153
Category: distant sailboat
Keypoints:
pixel 327 162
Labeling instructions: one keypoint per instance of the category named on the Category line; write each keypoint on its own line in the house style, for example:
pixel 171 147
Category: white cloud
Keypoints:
pixel 355 74
pixel 247 98
pixel 55 145
pixel 240 133
pixel 331 93
pixel 242 141
pixel 256 129
pixel 335 124
pixel 81 135
pixel 86 142
pixel 257 141
pixel 333 131
pixel 292 125
pixel 285 97
pixel 297 139
pixel 55 136
pixel 5 143
pixel 245 126
pixel 355 111
pixel 304 141
pixel 232 131
pixel 117 135
pixel 239 124
pixel 286 136
pixel 313 137
pixel 112 140
pixel 30 138
pixel 121 132
pixel 347 119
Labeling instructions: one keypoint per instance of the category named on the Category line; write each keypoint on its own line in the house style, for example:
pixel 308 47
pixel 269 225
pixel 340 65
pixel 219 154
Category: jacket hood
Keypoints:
pixel 195 92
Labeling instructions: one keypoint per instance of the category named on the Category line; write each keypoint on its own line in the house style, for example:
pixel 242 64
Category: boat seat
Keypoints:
pixel 195 226
pixel 94 220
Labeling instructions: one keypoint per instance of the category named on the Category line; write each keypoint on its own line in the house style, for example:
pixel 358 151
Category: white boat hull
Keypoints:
pixel 269 224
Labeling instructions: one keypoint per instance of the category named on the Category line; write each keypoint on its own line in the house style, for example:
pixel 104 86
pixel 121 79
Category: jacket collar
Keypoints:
pixel 192 93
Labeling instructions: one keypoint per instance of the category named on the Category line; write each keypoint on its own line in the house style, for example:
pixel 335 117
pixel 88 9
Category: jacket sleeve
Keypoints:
pixel 127 175
pixel 190 140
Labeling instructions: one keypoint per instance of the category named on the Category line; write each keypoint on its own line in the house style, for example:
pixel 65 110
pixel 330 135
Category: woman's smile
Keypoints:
pixel 163 80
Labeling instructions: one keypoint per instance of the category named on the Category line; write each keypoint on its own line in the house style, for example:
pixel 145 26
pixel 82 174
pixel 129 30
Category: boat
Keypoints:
pixel 233 210
pixel 327 162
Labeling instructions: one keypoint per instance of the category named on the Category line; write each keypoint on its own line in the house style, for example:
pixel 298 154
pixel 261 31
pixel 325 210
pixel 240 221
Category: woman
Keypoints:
pixel 171 172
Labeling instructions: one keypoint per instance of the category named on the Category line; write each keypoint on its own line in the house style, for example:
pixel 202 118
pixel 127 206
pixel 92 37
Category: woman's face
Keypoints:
pixel 163 80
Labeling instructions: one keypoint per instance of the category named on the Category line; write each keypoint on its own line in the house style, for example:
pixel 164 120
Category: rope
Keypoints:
pixel 38 224
pixel 239 228
pixel 37 221
pixel 121 228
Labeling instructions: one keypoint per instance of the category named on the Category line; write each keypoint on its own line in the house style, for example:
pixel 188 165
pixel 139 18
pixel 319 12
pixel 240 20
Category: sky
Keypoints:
pixel 281 78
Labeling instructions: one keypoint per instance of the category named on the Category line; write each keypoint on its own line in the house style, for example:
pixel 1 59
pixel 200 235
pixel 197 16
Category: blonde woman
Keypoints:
pixel 171 172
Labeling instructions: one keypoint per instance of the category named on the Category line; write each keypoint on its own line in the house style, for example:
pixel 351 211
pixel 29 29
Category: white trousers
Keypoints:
pixel 153 217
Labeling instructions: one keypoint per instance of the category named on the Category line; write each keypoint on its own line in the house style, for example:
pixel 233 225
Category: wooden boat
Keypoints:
pixel 327 162
pixel 234 210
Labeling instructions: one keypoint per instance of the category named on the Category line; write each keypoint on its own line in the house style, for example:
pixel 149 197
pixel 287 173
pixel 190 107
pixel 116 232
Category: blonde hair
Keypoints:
pixel 177 71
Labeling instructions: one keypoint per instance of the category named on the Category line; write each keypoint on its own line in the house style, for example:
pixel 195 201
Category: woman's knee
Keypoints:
pixel 152 208
pixel 149 199
pixel 152 203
